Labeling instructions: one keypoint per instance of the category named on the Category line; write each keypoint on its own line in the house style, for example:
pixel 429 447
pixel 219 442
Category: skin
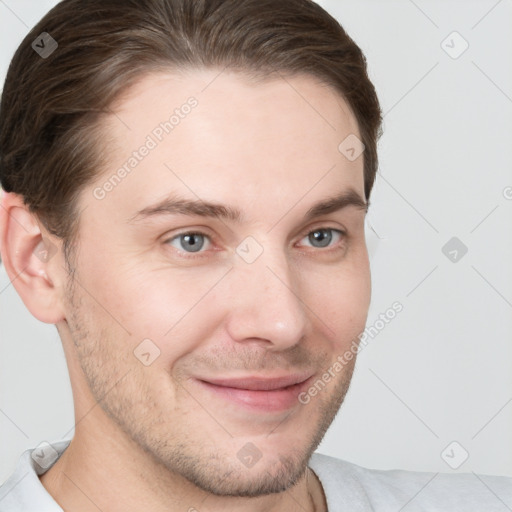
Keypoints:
pixel 149 437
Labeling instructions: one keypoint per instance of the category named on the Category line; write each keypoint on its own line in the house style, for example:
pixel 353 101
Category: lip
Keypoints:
pixel 258 393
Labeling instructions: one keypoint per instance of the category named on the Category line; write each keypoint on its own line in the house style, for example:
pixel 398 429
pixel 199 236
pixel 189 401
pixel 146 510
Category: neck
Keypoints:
pixel 106 472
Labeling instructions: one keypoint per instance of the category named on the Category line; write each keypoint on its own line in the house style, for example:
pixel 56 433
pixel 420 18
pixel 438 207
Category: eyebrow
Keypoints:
pixel 175 205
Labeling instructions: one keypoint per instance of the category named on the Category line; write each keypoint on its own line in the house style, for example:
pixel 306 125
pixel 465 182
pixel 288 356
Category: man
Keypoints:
pixel 187 183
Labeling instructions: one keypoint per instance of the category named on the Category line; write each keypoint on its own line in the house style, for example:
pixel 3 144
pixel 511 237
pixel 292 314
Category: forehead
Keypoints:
pixel 217 135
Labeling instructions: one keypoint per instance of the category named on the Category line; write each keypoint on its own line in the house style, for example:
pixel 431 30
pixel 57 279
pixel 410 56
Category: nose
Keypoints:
pixel 266 304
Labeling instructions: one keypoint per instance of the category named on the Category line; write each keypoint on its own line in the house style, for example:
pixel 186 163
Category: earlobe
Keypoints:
pixel 30 259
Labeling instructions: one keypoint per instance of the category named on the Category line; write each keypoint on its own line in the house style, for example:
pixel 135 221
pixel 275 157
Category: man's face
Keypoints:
pixel 271 294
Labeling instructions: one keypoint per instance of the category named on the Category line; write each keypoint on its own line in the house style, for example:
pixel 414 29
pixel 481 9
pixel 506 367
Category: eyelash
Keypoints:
pixel 201 253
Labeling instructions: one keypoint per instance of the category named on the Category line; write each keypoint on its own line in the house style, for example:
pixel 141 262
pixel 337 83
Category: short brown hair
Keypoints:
pixel 49 147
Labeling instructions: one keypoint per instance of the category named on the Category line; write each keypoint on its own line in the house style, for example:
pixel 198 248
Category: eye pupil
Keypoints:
pixel 323 236
pixel 192 239
pixel 195 242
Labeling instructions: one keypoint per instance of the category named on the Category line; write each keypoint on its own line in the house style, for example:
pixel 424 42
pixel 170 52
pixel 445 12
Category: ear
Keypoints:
pixel 31 260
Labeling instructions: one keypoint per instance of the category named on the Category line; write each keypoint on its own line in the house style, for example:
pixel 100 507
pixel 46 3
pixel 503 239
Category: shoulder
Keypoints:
pixel 23 491
pixel 348 484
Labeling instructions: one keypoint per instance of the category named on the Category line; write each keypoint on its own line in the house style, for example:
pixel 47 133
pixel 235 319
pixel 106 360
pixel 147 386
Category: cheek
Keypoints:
pixel 165 306
pixel 342 301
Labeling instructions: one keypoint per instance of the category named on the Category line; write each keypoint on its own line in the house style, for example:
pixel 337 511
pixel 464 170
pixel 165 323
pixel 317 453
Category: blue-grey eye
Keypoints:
pixel 189 242
pixel 322 237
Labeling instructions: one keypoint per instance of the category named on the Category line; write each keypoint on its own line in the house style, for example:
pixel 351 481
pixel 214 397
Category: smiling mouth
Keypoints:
pixel 259 394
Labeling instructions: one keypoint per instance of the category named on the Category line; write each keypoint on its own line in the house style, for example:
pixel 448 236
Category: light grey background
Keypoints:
pixel 440 371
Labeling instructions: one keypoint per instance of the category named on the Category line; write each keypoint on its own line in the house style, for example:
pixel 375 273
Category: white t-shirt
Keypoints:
pixel 347 487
